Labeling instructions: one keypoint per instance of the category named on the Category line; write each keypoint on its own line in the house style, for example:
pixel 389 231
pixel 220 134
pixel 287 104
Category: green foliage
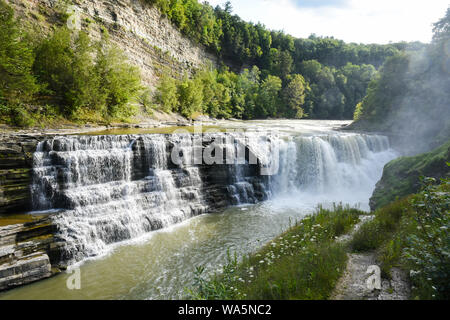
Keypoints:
pixel 344 74
pixel 401 177
pixel 190 95
pixel 441 29
pixel 302 263
pixel 268 101
pixel 167 96
pixel 120 82
pixel 294 95
pixel 87 77
pixel 81 78
pixel 17 82
pixel 413 234
pixel 373 234
pixel 427 250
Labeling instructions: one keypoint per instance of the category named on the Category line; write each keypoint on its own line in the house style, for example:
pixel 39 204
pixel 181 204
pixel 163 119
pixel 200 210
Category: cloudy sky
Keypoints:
pixel 365 21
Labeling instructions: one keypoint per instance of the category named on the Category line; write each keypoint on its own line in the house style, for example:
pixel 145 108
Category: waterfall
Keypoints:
pixel 118 187
pixel 325 165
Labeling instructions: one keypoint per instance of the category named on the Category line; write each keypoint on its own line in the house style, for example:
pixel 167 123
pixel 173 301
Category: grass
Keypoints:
pixel 401 177
pixel 412 234
pixel 374 233
pixel 303 263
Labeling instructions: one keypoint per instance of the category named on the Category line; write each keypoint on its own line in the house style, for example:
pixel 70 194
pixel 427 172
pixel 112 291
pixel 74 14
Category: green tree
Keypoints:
pixel 268 100
pixel 441 29
pixel 17 83
pixel 120 82
pixel 167 94
pixel 65 65
pixel 190 93
pixel 294 95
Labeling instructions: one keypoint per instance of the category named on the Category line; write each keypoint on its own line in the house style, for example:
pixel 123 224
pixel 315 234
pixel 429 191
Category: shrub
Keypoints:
pixel 427 250
pixel 17 83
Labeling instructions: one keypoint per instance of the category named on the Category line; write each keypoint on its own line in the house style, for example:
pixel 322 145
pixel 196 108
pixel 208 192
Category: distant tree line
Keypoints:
pixel 335 75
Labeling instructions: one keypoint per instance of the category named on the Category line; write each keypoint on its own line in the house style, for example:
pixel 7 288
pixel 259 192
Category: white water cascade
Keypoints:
pixel 118 187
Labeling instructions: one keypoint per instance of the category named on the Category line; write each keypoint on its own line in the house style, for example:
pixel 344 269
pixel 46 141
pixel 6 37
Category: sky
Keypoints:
pixel 361 21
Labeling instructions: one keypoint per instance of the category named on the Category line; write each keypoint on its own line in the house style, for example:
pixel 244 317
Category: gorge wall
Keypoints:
pixel 148 39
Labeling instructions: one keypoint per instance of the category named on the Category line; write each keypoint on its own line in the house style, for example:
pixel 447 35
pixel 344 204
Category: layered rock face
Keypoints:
pixel 27 251
pixel 16 161
pixel 149 40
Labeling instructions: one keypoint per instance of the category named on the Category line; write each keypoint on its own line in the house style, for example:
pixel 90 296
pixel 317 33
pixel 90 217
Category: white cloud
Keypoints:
pixel 365 21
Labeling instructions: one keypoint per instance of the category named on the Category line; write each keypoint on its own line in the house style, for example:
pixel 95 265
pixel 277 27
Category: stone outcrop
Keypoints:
pixel 27 251
pixel 150 40
pixel 16 157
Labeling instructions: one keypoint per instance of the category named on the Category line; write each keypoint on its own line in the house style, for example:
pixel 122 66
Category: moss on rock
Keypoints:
pixel 401 177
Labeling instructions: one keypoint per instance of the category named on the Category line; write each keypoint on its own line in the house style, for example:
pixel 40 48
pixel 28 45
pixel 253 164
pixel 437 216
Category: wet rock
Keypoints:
pixel 25 270
pixel 16 153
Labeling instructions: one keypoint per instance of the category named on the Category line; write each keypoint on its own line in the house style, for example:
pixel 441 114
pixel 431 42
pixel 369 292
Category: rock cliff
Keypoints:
pixel 149 39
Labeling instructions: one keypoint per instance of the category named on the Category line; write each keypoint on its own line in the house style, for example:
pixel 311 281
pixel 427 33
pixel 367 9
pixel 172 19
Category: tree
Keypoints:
pixel 268 99
pixel 167 94
pixel 190 93
pixel 17 83
pixel 294 95
pixel 441 29
pixel 120 82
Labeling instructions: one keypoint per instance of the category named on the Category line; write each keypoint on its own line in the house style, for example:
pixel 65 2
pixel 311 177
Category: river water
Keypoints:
pixel 319 166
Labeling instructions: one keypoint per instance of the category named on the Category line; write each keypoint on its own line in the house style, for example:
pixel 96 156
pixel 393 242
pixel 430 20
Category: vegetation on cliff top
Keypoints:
pixel 336 74
pixel 68 76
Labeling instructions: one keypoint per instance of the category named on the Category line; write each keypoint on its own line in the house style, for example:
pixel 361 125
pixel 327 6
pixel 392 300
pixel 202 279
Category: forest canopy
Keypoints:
pixel 263 73
pixel 335 75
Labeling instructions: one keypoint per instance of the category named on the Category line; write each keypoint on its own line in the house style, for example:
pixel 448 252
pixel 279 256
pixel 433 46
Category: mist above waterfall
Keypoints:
pixel 410 99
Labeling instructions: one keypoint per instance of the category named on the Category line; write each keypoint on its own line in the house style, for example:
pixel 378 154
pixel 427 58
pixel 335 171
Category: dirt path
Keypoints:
pixel 353 286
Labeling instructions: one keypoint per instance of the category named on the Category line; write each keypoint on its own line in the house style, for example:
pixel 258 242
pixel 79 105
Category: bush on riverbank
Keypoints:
pixel 304 262
pixel 413 234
